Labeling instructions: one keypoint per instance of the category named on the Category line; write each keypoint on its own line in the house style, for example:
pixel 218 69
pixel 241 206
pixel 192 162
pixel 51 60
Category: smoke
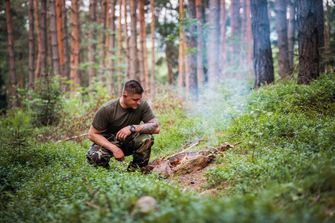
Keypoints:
pixel 216 107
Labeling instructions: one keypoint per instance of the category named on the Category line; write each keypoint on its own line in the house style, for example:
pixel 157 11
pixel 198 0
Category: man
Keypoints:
pixel 123 127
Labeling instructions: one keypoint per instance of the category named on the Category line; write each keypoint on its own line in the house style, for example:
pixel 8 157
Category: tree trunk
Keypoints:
pixel 111 46
pixel 119 50
pixel 263 62
pixel 281 27
pixel 144 54
pixel 248 33
pixel 31 45
pixel 307 41
pixel 181 61
pixel 60 30
pixel 223 35
pixel 291 33
pixel 53 33
pixel 328 57
pixel 65 42
pixel 321 38
pixel 74 44
pixel 235 29
pixel 125 27
pixel 153 55
pixel 133 68
pixel 200 72
pixel 192 82
pixel 92 41
pixel 213 51
pixel 39 40
pixel 11 87
pixel 44 38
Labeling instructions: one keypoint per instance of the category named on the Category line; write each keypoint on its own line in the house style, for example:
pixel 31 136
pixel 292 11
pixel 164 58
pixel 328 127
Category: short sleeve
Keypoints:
pixel 147 113
pixel 100 121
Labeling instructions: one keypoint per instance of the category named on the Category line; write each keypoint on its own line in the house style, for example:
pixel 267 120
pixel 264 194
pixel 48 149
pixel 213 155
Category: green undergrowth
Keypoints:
pixel 287 149
pixel 283 170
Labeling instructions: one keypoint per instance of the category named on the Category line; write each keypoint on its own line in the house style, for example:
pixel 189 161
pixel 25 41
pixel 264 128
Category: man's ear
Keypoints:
pixel 125 93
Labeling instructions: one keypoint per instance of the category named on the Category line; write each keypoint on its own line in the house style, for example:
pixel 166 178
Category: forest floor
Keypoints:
pixel 282 171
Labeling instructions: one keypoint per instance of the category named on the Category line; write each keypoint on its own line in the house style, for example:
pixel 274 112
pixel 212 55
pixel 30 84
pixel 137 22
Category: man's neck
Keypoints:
pixel 122 103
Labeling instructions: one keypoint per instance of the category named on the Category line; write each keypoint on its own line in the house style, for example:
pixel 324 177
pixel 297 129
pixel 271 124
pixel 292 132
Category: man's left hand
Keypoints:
pixel 123 133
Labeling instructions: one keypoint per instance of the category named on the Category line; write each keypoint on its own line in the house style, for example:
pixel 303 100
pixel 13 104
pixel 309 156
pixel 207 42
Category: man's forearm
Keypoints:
pixel 148 128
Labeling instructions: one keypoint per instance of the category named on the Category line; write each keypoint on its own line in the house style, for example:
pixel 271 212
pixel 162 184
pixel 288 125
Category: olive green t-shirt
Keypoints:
pixel 111 117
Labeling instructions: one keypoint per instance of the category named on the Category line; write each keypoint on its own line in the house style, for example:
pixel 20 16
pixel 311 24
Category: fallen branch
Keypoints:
pixel 72 138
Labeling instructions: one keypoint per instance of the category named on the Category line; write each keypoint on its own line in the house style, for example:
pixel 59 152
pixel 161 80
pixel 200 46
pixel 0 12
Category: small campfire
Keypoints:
pixel 186 162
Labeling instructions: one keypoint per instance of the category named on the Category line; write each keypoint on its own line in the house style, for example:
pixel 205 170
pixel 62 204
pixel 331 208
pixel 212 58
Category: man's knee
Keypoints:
pixel 97 156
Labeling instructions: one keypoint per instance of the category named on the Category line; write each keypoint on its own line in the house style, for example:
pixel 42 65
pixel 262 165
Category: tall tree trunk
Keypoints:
pixel 111 46
pixel 321 38
pixel 119 50
pixel 133 68
pixel 263 62
pixel 328 57
pixel 153 54
pixel 235 19
pixel 213 51
pixel 92 40
pixel 223 35
pixel 200 71
pixel 144 53
pixel 181 60
pixel 11 86
pixel 53 33
pixel 39 40
pixel 291 33
pixel 126 38
pixel 192 82
pixel 248 33
pixel 281 27
pixel 31 45
pixel 74 76
pixel 65 42
pixel 105 39
pixel 60 30
pixel 307 41
pixel 44 38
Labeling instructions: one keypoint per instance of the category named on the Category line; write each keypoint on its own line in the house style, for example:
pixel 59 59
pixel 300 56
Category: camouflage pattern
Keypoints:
pixel 138 145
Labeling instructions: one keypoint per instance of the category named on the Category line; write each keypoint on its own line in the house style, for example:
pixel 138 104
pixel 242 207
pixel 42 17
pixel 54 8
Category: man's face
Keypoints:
pixel 132 100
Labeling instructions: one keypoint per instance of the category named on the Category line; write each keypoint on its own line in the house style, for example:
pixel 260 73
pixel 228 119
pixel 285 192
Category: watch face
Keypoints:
pixel 132 128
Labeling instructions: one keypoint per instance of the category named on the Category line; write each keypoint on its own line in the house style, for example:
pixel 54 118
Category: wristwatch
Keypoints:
pixel 132 129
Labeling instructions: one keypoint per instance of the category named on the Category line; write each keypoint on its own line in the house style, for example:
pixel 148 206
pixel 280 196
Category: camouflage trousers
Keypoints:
pixel 138 145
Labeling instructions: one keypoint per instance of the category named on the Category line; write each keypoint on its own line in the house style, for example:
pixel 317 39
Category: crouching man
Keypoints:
pixel 123 127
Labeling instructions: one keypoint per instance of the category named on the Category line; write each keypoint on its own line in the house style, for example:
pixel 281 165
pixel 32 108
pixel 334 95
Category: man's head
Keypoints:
pixel 132 94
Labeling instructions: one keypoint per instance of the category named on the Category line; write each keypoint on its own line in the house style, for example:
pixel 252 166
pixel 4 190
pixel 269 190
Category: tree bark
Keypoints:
pixel 248 33
pixel 119 50
pixel 133 66
pixel 153 54
pixel 44 38
pixel 65 38
pixel 126 38
pixel 235 19
pixel 74 76
pixel 60 30
pixel 39 40
pixel 111 47
pixel 200 72
pixel 321 38
pixel 213 51
pixel 291 33
pixel 53 33
pixel 144 54
pixel 12 81
pixel 31 45
pixel 308 41
pixel 223 35
pixel 92 40
pixel 263 62
pixel 327 53
pixel 181 60
pixel 191 57
pixel 281 27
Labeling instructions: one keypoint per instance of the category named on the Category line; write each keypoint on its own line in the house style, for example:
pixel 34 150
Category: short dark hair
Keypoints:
pixel 133 86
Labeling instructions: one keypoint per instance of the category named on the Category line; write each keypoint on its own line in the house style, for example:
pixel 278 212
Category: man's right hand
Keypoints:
pixel 118 154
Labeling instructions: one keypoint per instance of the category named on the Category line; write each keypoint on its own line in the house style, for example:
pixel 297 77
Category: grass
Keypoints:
pixel 284 170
